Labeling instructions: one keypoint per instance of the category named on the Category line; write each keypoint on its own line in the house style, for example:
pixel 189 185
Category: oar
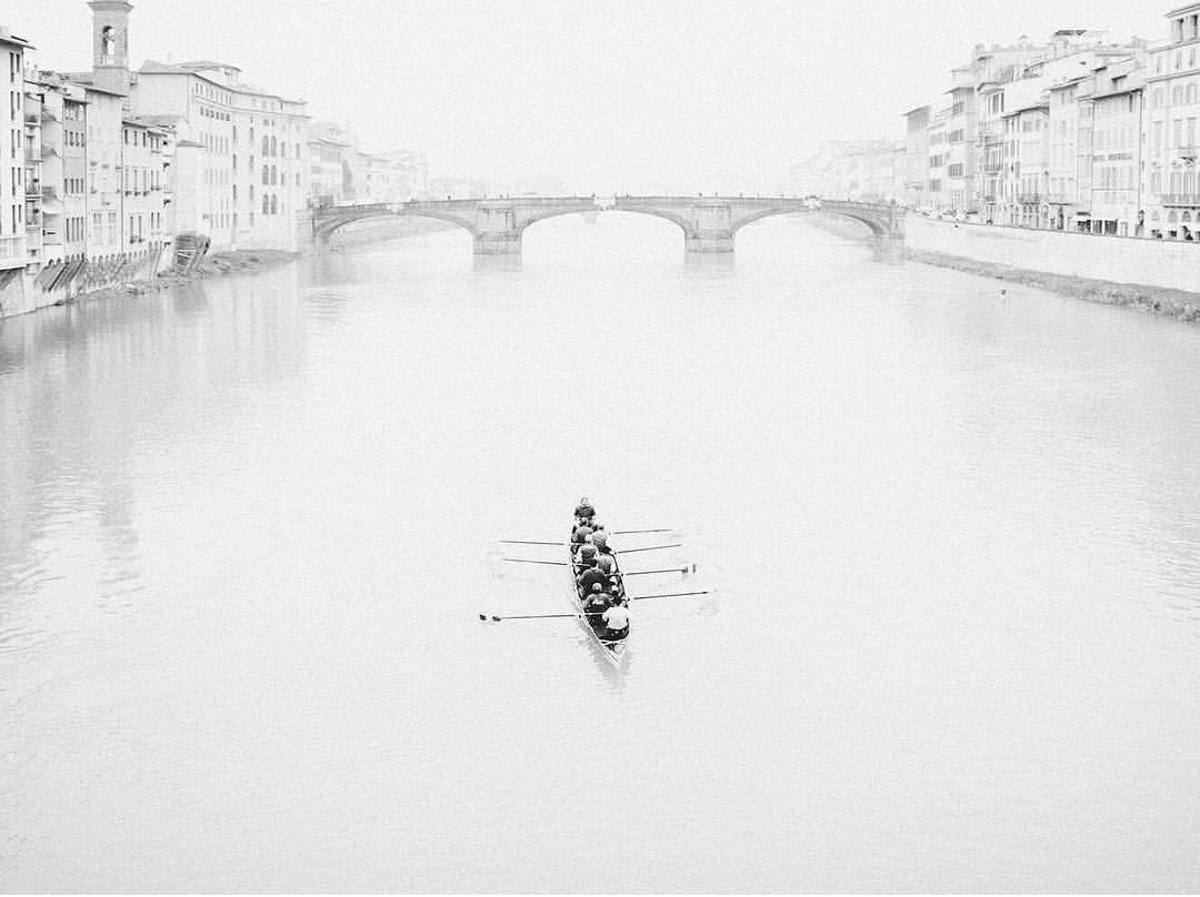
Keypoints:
pixel 630 532
pixel 496 619
pixel 526 561
pixel 691 569
pixel 667 595
pixel 527 542
pixel 651 548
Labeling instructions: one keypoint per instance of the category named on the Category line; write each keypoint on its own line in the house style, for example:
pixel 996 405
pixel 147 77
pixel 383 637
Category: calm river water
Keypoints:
pixel 246 528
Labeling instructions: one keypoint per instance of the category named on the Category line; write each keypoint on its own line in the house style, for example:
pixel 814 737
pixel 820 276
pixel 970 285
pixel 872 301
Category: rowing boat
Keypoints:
pixel 612 649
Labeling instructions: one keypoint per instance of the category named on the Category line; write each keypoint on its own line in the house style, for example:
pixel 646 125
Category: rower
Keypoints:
pixel 600 540
pixel 596 605
pixel 581 533
pixel 586 556
pixel 616 618
pixel 590 577
pixel 605 562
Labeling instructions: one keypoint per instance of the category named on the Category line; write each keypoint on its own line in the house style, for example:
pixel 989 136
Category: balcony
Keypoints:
pixel 33 190
pixel 1180 199
pixel 1031 197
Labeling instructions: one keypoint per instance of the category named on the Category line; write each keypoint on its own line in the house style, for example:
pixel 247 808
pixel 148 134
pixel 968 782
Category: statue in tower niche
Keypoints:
pixel 108 44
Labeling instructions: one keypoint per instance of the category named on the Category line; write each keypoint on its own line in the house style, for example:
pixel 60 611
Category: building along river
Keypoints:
pixel 247 524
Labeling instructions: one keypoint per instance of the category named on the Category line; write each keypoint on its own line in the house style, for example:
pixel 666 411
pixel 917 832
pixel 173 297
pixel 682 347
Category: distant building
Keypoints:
pixel 1026 169
pixel 959 187
pixel 1171 186
pixel 916 157
pixel 330 175
pixel 12 170
pixel 106 197
pixel 1116 169
pixel 936 195
pixel 1068 147
pixel 244 177
pixel 143 176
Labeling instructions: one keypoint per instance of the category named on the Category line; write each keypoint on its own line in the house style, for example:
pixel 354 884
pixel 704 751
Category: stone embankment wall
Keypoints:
pixel 21 292
pixel 1154 275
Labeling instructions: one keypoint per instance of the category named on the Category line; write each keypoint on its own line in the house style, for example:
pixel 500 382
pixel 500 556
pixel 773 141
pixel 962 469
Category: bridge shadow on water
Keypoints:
pixel 710 262
pixel 484 263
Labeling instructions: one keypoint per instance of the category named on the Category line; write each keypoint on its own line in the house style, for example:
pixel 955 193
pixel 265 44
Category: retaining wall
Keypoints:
pixel 22 292
pixel 1164 263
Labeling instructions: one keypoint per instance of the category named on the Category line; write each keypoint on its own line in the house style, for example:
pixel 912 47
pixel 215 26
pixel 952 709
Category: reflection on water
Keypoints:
pixel 246 532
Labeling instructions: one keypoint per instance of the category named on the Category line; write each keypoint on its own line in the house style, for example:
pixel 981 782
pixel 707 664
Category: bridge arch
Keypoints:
pixel 878 229
pixel 535 217
pixel 327 228
pixel 686 226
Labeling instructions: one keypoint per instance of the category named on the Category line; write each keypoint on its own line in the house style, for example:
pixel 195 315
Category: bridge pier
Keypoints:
pixel 497 243
pixel 712 241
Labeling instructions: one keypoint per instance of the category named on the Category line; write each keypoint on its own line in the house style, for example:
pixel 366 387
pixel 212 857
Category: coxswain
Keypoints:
pixel 584 510
pixel 616 618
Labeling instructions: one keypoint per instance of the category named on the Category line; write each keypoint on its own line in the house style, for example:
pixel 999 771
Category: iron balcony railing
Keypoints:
pixel 1180 199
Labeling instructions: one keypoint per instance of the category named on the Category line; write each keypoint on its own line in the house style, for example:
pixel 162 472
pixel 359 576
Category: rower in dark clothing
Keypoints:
pixel 590 577
pixel 600 540
pixel 595 606
pixel 580 533
pixel 586 556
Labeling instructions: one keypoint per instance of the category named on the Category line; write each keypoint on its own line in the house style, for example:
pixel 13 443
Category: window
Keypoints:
pixel 274 205
pixel 266 204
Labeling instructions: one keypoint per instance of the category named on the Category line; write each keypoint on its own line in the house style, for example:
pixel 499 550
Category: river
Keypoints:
pixel 952 538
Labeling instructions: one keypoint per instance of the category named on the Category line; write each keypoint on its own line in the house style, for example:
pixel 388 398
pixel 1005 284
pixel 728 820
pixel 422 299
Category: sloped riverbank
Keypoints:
pixel 1180 305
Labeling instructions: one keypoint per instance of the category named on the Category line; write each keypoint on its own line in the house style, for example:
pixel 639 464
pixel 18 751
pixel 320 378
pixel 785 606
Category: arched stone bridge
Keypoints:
pixel 709 223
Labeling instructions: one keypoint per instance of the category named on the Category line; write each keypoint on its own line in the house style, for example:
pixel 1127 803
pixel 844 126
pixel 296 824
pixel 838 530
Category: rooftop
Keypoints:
pixel 8 37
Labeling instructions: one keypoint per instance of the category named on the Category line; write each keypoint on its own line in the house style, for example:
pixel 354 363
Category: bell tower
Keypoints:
pixel 110 44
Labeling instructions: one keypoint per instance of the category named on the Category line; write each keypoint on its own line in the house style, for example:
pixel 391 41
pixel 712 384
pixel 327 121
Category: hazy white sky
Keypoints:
pixel 608 95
